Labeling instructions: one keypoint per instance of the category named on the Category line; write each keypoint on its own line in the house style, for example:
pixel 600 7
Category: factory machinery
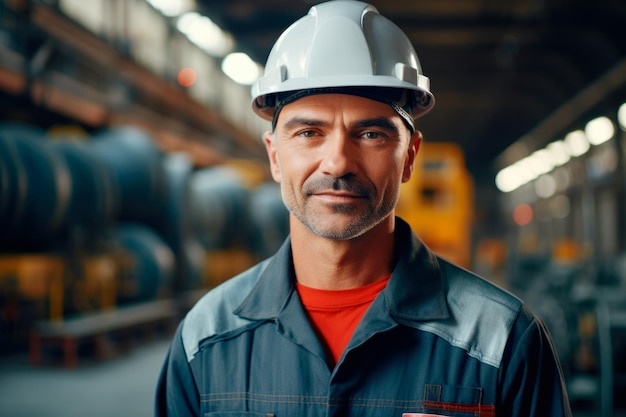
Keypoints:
pixel 100 222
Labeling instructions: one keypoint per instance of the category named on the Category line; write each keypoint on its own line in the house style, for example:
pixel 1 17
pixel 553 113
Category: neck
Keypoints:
pixel 342 264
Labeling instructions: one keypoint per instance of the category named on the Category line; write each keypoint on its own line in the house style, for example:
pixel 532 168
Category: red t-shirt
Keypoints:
pixel 334 314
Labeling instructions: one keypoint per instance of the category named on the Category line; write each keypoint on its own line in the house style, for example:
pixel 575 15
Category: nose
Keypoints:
pixel 339 158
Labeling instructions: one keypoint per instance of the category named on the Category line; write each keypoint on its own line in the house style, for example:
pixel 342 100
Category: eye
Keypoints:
pixel 372 135
pixel 307 133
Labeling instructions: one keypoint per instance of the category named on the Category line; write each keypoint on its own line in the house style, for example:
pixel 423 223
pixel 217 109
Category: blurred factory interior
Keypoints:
pixel 133 176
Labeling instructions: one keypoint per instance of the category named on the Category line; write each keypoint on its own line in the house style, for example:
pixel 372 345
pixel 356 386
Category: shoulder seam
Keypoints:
pixel 482 315
pixel 213 315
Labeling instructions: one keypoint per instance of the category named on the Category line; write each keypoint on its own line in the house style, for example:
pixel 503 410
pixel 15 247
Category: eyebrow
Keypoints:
pixel 302 121
pixel 380 122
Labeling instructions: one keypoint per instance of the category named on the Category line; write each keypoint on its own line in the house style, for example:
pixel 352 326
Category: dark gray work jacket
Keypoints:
pixel 437 340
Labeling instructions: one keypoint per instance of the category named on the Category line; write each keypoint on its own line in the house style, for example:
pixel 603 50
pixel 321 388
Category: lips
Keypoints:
pixel 338 198
pixel 335 194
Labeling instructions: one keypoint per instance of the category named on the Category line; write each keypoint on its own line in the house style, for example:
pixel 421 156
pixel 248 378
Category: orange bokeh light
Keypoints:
pixel 523 214
pixel 186 77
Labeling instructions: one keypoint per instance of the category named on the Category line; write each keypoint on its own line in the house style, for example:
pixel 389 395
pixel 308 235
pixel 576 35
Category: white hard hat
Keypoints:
pixel 342 43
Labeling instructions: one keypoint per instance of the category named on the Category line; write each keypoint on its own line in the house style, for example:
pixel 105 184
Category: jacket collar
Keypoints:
pixel 415 292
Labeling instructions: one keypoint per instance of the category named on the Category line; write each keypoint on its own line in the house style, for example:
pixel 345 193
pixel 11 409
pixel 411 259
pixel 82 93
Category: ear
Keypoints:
pixel 414 145
pixel 270 146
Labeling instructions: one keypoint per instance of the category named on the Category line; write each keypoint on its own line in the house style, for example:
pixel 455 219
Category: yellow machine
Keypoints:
pixel 438 201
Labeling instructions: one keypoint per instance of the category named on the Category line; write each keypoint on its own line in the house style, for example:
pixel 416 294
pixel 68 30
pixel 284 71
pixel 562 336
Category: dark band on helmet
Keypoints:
pixel 402 101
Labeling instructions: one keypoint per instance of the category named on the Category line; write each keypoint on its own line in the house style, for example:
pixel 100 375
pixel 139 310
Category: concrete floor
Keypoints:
pixel 121 387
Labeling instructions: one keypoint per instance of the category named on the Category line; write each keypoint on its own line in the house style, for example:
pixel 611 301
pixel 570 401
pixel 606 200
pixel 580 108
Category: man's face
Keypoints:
pixel 340 160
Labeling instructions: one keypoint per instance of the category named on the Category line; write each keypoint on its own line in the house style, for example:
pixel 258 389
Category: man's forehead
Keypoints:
pixel 327 105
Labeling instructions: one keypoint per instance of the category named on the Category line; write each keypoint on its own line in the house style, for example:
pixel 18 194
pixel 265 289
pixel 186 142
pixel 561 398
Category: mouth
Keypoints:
pixel 337 197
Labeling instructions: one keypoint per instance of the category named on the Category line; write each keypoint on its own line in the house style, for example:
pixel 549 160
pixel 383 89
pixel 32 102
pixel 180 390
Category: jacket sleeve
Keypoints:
pixel 176 393
pixel 531 380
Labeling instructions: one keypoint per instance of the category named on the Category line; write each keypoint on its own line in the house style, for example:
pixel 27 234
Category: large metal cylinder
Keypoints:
pixel 94 197
pixel 35 189
pixel 219 208
pixel 151 266
pixel 270 219
pixel 137 167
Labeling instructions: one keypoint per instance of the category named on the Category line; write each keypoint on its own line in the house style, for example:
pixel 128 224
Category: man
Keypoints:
pixel 354 316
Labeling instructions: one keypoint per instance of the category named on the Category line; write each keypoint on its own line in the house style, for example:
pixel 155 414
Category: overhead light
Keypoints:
pixel 241 68
pixel 541 162
pixel 537 165
pixel 621 116
pixel 515 175
pixel 506 179
pixel 558 153
pixel 172 8
pixel 203 32
pixel 599 130
pixel 577 143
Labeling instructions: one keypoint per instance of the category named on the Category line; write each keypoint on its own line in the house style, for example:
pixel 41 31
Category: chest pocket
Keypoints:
pixel 456 401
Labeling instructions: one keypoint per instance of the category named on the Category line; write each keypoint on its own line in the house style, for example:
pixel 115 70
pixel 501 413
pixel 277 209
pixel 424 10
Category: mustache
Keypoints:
pixel 348 184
